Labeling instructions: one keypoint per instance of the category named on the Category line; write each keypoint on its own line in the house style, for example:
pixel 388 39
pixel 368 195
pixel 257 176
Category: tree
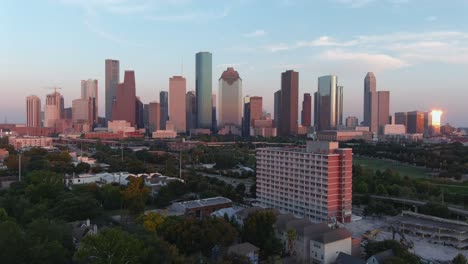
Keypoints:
pixel 292 236
pixel 111 197
pixel 258 230
pixel 253 190
pixel 380 190
pixel 240 188
pixel 362 187
pixel 82 168
pixel 435 209
pixel 135 195
pixel 110 245
pixel 151 221
pixel 13 246
pixel 44 185
pixel 72 207
pixel 459 259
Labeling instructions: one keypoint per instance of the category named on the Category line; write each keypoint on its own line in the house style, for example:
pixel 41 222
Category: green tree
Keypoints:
pixel 82 168
pixel 292 237
pixel 362 187
pixel 151 221
pixel 13 247
pixel 110 245
pixel 111 197
pixel 381 190
pixel 72 207
pixel 258 230
pixel 240 188
pixel 44 185
pixel 459 259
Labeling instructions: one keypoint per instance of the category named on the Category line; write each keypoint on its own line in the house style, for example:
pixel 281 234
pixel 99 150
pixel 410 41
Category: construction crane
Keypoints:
pixel 55 88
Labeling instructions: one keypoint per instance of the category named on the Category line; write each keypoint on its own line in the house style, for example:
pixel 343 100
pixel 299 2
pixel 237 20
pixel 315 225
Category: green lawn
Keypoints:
pixel 403 169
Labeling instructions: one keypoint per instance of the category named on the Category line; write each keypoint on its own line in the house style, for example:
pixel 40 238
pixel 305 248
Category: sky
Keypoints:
pixel 418 49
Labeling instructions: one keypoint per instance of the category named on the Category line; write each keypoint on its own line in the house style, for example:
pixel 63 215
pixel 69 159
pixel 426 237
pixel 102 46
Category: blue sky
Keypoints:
pixel 418 49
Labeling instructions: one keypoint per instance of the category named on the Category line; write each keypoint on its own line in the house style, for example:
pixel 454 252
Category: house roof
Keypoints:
pixel 344 258
pixel 242 249
pixel 384 255
pixel 299 225
pixel 334 235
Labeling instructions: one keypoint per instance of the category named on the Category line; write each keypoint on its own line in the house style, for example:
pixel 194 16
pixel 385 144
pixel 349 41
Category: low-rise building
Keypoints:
pixel 343 135
pixel 24 142
pixel 201 208
pixel 164 134
pixel 247 250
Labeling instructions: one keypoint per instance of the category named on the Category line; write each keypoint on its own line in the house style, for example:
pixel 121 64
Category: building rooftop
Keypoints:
pixel 344 258
pixel 243 249
pixel 204 202
pixel 431 221
pixel 334 235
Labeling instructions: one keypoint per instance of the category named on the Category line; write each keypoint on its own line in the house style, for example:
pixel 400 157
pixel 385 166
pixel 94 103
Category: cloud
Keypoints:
pixel 377 62
pixel 354 3
pixel 277 47
pixel 255 34
pixel 324 41
pixel 226 65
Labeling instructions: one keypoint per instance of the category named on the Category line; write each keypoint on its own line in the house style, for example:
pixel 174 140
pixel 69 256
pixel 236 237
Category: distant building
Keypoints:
pixel 164 134
pixel 289 103
pixel 415 122
pixel 153 117
pixel 81 111
pixel 24 142
pixel 393 130
pixel 201 208
pixel 164 109
pixel 383 108
pixel 112 80
pixel 33 111
pixel 246 120
pixel 89 91
pixel 376 104
pixel 352 122
pixel 214 120
pixel 203 86
pixel 342 135
pixel 53 109
pixel 177 104
pixel 191 110
pixel 329 201
pixel 124 105
pixel 277 110
pixel 139 113
pixel 117 126
pixel 246 250
pixel 230 98
pixel 306 113
pixel 328 103
pixel 401 118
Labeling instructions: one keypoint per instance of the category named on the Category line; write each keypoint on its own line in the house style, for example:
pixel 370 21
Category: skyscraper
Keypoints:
pixel 214 121
pixel 415 122
pixel 306 113
pixel 230 98
pixel 370 102
pixel 203 86
pixel 289 103
pixel 383 108
pixel 164 109
pixel 256 109
pixel 191 110
pixel 277 113
pixel 33 111
pixel 153 116
pixel 177 88
pixel 53 109
pixel 81 111
pixel 139 113
pixel 112 80
pixel 89 90
pixel 328 103
pixel 125 103
pixel 246 117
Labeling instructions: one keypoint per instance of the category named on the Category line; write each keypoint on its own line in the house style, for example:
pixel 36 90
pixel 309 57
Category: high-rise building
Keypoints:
pixel 401 118
pixel 53 109
pixel 191 110
pixel 33 111
pixel 203 86
pixel 415 122
pixel 81 111
pixel 177 114
pixel 139 113
pixel 230 98
pixel 277 110
pixel 289 103
pixel 383 112
pixel 124 105
pixel 112 80
pixel 153 117
pixel 328 103
pixel 246 117
pixel 214 121
pixel 89 90
pixel 352 122
pixel 321 190
pixel 370 102
pixel 256 109
pixel 164 109
pixel 306 113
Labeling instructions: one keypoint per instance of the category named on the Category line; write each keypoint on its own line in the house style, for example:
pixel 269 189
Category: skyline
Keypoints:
pixel 422 54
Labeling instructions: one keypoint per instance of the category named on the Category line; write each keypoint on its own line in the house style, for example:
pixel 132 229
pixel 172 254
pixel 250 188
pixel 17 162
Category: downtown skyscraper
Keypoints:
pixel 230 98
pixel 203 87
pixel 33 111
pixel 328 103
pixel 125 102
pixel 306 113
pixel 89 91
pixel 177 104
pixel 164 109
pixel 112 81
pixel 289 103
pixel 191 110
pixel 376 104
pixel 53 109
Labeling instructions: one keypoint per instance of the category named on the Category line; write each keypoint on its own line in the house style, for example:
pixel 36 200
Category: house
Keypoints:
pixel 246 250
pixel 344 258
pixel 381 257
pixel 325 247
pixel 80 229
pixel 200 208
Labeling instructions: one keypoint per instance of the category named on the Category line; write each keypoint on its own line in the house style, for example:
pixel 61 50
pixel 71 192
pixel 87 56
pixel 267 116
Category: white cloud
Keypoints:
pixel 377 62
pixel 255 34
pixel 324 41
pixel 277 47
pixel 355 3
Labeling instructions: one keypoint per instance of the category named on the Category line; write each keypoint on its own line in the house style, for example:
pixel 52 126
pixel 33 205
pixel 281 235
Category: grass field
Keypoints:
pixel 403 169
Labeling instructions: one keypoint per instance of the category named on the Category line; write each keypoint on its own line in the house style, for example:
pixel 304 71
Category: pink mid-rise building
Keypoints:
pixel 123 107
pixel 177 106
pixel 314 182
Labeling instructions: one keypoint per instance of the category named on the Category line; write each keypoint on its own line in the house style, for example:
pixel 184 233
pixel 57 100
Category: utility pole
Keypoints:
pixel 121 148
pixel 180 164
pixel 19 167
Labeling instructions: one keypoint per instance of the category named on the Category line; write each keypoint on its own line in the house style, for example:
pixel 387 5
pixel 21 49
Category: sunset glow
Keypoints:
pixel 436 116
